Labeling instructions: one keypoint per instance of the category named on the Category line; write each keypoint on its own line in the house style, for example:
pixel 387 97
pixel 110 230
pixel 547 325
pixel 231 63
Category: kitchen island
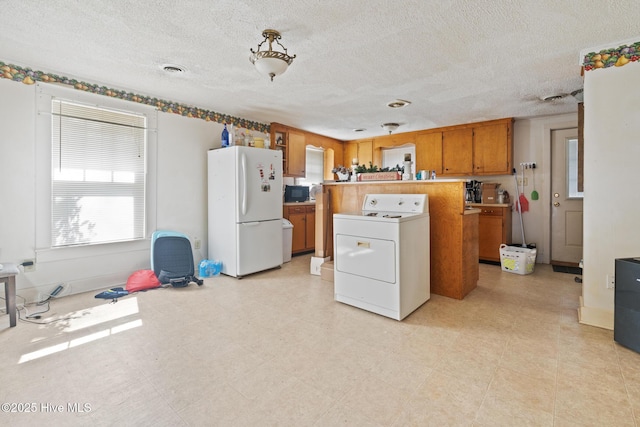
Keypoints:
pixel 453 229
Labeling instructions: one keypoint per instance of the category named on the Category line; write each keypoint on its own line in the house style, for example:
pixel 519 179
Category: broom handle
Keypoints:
pixel 515 177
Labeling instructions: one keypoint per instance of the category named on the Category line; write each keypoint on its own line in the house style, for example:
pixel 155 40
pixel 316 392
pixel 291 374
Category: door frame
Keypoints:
pixel 543 174
pixel 564 192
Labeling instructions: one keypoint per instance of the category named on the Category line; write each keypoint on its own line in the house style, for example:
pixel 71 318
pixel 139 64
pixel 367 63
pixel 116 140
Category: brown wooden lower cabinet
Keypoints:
pixel 303 219
pixel 494 229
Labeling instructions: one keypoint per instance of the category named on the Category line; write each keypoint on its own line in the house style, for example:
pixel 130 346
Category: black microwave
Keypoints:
pixel 296 193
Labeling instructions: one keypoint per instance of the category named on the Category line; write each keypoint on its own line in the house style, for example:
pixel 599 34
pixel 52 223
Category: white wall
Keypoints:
pixel 181 197
pixel 611 204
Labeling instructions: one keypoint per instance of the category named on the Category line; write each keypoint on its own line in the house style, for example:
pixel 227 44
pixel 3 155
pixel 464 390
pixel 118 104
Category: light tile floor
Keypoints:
pixel 274 349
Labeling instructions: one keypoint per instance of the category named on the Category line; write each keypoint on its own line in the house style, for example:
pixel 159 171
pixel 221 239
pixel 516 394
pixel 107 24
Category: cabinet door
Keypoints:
pixel 365 152
pixel 429 152
pixel 492 149
pixel 297 219
pixel 310 228
pixel 457 152
pixel 350 152
pixel 296 147
pixel 490 237
pixel 279 142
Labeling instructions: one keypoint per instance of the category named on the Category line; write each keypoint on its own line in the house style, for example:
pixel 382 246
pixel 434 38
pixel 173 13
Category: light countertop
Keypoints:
pixel 307 203
pixel 410 181
pixel 490 205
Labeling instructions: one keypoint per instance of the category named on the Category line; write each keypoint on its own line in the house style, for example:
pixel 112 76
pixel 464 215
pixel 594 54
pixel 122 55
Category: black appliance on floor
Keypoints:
pixel 626 327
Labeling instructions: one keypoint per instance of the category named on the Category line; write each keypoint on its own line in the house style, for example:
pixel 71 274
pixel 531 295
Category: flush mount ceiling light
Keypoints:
pixel 398 103
pixel 271 62
pixel 390 127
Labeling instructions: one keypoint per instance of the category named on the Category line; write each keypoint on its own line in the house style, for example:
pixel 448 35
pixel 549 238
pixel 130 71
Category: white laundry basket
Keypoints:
pixel 516 259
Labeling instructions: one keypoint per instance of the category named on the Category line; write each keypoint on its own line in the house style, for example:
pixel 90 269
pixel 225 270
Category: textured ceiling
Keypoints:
pixel 456 61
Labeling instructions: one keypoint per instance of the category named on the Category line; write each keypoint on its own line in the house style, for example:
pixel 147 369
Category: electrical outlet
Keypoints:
pixel 611 281
pixel 196 243
pixel 526 181
pixel 29 265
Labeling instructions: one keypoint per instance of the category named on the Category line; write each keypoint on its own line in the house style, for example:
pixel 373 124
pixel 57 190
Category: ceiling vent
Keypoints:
pixel 550 98
pixel 173 69
pixel 398 103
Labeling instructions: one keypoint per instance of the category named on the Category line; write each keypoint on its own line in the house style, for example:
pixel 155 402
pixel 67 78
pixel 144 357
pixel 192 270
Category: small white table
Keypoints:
pixel 8 275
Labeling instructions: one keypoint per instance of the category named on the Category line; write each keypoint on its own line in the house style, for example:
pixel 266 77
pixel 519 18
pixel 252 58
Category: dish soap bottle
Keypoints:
pixel 225 136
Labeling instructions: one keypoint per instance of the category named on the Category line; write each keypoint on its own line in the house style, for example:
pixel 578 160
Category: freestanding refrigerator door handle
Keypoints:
pixel 244 183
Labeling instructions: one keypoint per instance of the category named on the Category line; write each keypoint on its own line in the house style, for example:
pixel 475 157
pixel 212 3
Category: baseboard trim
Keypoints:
pixel 595 316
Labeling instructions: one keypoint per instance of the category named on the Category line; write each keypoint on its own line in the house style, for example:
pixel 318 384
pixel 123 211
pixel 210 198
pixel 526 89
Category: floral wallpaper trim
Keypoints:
pixel 618 57
pixel 29 77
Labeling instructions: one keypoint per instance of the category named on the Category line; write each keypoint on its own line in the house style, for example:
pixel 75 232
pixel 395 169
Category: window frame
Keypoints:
pixel 43 170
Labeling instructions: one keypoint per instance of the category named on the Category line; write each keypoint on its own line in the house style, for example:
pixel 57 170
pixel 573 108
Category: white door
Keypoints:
pixel 259 184
pixel 566 199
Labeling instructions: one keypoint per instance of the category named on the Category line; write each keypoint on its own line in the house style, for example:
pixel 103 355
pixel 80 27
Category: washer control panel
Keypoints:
pixel 402 203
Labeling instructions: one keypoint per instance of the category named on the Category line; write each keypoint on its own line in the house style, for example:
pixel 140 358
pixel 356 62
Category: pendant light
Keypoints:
pixel 271 62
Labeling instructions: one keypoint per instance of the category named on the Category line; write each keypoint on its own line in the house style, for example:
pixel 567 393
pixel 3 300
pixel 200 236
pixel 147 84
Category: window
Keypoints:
pixel 573 171
pixel 97 174
pixel 392 157
pixel 314 167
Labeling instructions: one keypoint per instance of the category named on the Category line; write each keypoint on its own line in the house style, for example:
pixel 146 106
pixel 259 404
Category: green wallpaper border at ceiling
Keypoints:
pixel 29 77
pixel 618 57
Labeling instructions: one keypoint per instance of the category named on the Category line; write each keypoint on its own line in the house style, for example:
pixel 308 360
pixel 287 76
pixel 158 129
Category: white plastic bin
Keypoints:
pixel 516 259
pixel 287 239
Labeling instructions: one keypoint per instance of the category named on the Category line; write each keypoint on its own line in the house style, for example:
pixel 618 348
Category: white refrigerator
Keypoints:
pixel 245 209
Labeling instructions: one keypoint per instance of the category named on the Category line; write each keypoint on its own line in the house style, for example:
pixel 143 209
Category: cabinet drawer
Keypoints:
pixel 296 209
pixel 491 211
pixel 311 209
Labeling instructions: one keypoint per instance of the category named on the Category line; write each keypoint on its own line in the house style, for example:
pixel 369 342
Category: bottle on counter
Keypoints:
pixel 225 136
pixel 433 174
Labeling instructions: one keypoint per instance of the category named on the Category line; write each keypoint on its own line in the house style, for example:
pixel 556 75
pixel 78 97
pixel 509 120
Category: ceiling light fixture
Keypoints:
pixel 398 103
pixel 271 62
pixel 390 127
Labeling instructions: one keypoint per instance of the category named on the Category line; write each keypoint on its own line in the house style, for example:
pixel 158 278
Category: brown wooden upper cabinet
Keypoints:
pixel 492 147
pixel 429 151
pixel 457 151
pixel 361 149
pixel 293 146
pixel 478 149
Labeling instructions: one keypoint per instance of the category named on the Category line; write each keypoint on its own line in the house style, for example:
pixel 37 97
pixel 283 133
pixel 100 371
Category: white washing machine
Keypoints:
pixel 381 254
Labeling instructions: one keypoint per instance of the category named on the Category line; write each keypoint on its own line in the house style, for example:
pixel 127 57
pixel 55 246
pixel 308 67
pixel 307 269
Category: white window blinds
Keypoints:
pixel 314 167
pixel 97 174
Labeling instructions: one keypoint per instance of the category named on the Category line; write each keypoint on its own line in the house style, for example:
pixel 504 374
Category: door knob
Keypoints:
pixel 556 204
